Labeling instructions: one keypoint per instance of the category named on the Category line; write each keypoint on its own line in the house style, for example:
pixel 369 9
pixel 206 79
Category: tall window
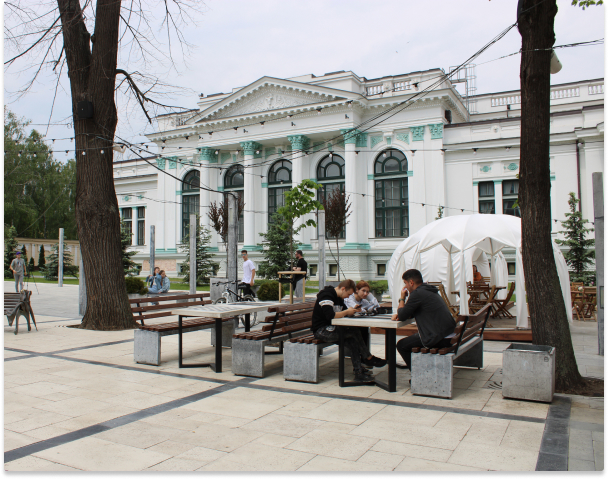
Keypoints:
pixel 127 217
pixel 190 199
pixel 486 197
pixel 330 173
pixel 392 209
pixel 279 181
pixel 141 226
pixel 510 191
pixel 234 182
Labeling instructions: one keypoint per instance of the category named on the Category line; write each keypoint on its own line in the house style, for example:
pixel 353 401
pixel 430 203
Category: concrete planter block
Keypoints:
pixel 248 358
pixel 147 347
pixel 432 375
pixel 528 372
pixel 301 362
pixel 228 329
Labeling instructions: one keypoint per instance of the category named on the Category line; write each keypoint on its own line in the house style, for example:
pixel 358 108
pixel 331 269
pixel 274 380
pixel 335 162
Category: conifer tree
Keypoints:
pixel 9 251
pixel 51 269
pixel 31 266
pixel 205 266
pixel 275 252
pixel 41 258
pixel 130 267
pixel 581 252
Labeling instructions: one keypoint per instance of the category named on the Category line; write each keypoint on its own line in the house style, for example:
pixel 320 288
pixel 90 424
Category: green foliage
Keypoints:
pixel 51 269
pixel 581 251
pixel 276 255
pixel 39 195
pixel 439 213
pixel 269 291
pixel 378 288
pixel 586 3
pixel 135 285
pixel 205 266
pixel 337 210
pixel 130 267
pixel 41 258
pixel 31 265
pixel 10 246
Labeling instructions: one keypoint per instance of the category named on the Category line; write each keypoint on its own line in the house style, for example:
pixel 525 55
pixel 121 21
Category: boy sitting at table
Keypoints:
pixel 435 323
pixel 330 305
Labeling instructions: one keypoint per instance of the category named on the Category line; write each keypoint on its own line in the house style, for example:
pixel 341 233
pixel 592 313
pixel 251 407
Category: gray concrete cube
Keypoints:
pixel 528 372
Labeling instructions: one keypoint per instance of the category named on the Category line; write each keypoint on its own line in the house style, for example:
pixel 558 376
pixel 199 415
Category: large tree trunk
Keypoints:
pixel 92 77
pixel 547 309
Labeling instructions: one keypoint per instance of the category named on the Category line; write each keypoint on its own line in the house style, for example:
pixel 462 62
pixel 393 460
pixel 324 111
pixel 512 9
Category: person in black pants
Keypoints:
pixel 330 305
pixel 435 323
pixel 301 265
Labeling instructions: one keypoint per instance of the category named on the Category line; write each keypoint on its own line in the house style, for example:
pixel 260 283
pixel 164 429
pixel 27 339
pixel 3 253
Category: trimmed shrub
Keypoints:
pixel 135 285
pixel 378 288
pixel 269 291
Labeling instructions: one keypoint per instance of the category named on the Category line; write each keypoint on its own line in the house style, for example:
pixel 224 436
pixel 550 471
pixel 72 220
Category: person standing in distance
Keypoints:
pixel 248 274
pixel 18 268
pixel 298 284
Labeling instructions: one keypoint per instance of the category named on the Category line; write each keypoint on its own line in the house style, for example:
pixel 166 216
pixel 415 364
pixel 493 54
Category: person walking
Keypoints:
pixel 298 284
pixel 18 268
pixel 248 274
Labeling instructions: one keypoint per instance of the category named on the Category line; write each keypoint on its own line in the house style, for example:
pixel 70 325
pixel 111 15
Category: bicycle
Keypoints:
pixel 253 317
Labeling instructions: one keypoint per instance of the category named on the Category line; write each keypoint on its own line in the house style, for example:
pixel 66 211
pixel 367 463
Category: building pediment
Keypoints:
pixel 268 94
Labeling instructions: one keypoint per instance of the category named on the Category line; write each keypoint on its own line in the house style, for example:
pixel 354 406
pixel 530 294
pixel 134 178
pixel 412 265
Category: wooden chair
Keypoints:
pixel 502 306
pixel 454 308
pixel 589 302
pixel 481 303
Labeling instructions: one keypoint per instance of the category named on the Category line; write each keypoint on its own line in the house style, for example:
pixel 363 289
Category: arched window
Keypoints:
pixel 330 173
pixel 279 182
pixel 190 199
pixel 234 181
pixel 392 209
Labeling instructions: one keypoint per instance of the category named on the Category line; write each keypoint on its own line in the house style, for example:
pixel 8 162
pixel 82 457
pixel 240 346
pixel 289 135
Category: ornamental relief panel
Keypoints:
pixel 269 98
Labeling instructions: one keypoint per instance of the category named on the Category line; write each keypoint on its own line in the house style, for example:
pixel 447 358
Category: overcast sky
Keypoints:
pixel 237 41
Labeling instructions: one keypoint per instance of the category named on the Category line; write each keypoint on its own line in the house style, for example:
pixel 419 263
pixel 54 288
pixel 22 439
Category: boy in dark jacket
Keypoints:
pixel 329 305
pixel 433 317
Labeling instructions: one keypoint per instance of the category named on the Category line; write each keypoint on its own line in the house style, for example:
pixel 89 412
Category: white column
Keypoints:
pixel 298 145
pixel 350 186
pixel 162 194
pixel 249 148
pixel 438 165
pixel 134 228
pixel 417 184
pixel 207 156
pixel 498 197
pixel 476 196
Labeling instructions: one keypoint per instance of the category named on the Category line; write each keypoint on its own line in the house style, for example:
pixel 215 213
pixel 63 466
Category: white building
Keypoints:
pixel 401 162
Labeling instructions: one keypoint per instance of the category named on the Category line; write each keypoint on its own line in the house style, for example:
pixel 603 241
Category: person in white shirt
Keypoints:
pixel 362 297
pixel 248 274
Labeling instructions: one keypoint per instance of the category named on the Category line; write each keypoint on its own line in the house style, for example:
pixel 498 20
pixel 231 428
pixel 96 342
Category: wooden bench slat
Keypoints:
pixel 170 297
pixel 291 307
pixel 169 306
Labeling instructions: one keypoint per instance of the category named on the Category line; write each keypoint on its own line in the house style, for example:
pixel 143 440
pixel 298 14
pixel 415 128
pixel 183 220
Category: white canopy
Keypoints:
pixel 468 240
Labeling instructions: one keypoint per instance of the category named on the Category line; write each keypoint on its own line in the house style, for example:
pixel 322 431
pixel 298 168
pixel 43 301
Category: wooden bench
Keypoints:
pixel 301 359
pixel 147 349
pixel 18 304
pixel 249 349
pixel 432 369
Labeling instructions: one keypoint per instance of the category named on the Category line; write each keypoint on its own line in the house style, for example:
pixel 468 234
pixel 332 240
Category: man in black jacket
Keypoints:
pixel 329 305
pixel 433 318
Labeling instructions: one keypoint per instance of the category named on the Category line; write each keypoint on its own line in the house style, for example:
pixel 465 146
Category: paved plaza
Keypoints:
pixel 76 400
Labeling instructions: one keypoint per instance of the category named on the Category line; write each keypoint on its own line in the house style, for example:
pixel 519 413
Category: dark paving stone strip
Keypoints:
pixel 553 455
pixel 24 451
pixel 79 348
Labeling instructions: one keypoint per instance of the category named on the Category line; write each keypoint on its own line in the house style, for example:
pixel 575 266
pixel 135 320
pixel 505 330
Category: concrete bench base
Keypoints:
pixel 301 361
pixel 147 343
pixel 433 374
pixel 248 356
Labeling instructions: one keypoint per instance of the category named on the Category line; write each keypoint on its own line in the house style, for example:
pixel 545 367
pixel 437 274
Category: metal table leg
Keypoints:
pixel 217 366
pixel 390 347
pixel 342 383
pixel 247 322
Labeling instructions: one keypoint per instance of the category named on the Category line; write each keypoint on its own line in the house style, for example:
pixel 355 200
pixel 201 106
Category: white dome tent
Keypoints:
pixel 444 248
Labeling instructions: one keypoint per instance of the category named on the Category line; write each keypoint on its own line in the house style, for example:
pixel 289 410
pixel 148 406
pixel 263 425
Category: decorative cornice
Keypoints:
pixel 172 163
pixel 264 185
pixel 250 147
pixel 417 133
pixel 436 131
pixel 224 156
pixel 160 162
pixel 405 137
pixel 375 140
pixel 208 154
pixel 361 140
pixel 350 135
pixel 299 142
pixel 268 152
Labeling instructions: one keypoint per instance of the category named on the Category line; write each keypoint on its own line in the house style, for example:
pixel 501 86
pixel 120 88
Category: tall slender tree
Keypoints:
pixel 337 210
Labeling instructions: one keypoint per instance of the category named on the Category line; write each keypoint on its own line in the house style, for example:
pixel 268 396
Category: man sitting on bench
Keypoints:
pixel 329 305
pixel 435 323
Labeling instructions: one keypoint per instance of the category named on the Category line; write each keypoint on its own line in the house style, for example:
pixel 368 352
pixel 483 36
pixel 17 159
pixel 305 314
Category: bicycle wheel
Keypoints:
pixel 253 317
pixel 220 300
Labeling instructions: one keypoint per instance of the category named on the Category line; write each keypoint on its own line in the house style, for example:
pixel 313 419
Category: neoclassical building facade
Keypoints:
pixel 402 148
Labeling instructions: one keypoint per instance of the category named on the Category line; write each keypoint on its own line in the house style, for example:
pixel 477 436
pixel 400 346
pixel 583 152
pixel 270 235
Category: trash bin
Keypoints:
pixel 528 372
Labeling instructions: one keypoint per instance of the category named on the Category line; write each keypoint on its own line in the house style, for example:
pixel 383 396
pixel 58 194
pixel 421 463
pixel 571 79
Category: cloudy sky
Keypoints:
pixel 235 42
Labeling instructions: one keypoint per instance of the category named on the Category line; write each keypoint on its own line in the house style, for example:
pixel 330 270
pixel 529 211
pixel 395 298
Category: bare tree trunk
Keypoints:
pixel 338 251
pixel 92 73
pixel 547 309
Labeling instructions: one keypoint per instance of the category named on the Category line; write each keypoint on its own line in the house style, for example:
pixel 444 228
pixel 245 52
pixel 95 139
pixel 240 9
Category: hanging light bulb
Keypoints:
pixel 331 155
pixel 71 139
pixel 164 141
pixel 102 152
pixel 187 138
pixel 84 153
pixel 257 152
pixel 507 148
pixel 384 154
pixel 442 151
pixel 210 133
pixel 349 103
pixel 318 111
pixel 413 152
pixel 356 152
pixel 262 123
pixel 474 151
pixel 217 152
pixel 19 154
pixel 236 130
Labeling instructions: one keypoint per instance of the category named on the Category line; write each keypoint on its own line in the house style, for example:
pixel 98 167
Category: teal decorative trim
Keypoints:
pixel 388 140
pixel 126 198
pixel 417 133
pixel 361 140
pixel 410 172
pixel 350 135
pixel 264 185
pixel 268 152
pixel 225 156
pixel 254 247
pixel 356 246
pixel 330 147
pixel 220 188
pixel 306 247
pixel 436 131
pixel 249 147
pixel 317 146
pixel 160 163
pixel 404 137
pixel 552 177
pixel 498 182
pixel 178 192
pixel 375 140
pixel 140 197
pixel 208 154
pixel 370 177
pixel 475 183
pixel 512 166
pixel 159 250
pixel 170 250
pixel 257 155
pixel 213 249
pixel 299 142
pixel 486 168
pixel 234 158
pixel 173 163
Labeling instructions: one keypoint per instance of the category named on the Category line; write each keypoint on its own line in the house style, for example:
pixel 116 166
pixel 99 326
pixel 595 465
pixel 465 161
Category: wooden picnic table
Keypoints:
pixel 384 322
pixel 218 312
pixel 291 273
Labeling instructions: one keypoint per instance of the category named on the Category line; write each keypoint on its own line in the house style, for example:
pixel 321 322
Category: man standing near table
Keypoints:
pixel 248 274
pixel 330 305
pixel 435 323
pixel 297 282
